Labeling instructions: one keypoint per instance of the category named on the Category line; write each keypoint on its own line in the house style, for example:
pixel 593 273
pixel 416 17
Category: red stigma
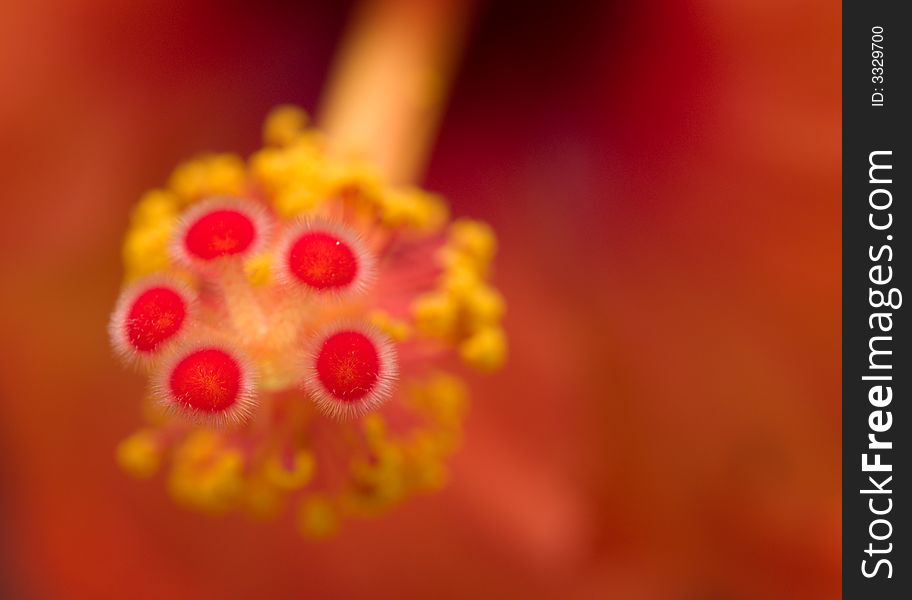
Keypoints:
pixel 218 233
pixel 207 380
pixel 322 261
pixel 155 316
pixel 348 365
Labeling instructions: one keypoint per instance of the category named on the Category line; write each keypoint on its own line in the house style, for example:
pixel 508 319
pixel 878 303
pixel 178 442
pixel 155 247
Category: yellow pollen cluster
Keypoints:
pixel 438 300
pixel 463 308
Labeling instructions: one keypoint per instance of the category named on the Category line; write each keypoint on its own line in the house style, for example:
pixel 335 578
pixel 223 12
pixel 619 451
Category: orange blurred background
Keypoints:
pixel 664 177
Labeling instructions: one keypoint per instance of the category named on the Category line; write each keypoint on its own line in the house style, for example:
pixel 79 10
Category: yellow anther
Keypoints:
pixel 354 181
pixel 259 270
pixel 154 208
pixel 383 472
pixel 424 445
pixel 461 279
pixel 198 445
pixel 435 314
pixel 362 471
pixel 473 238
pixel 397 209
pixel 214 486
pixel 209 175
pixel 180 485
pixel 293 200
pixel 382 482
pixel 284 124
pixel 229 462
pixel 433 212
pixel 429 475
pixel 271 167
pixel 374 429
pixel 139 455
pixel 392 487
pixel 484 306
pixel 411 208
pixel 445 397
pixel 317 517
pixel 389 457
pixel 146 249
pixel 486 349
pixel 396 328
pixel 297 475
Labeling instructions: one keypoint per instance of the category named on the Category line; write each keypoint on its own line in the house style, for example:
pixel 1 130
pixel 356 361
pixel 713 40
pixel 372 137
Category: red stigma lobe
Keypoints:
pixel 220 233
pixel 155 316
pixel 207 380
pixel 348 365
pixel 322 261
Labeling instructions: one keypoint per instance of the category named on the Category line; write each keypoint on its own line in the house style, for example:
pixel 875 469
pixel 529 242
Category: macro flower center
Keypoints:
pixel 295 315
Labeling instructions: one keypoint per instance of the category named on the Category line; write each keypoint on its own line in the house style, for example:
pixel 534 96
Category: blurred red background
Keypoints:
pixel 664 178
